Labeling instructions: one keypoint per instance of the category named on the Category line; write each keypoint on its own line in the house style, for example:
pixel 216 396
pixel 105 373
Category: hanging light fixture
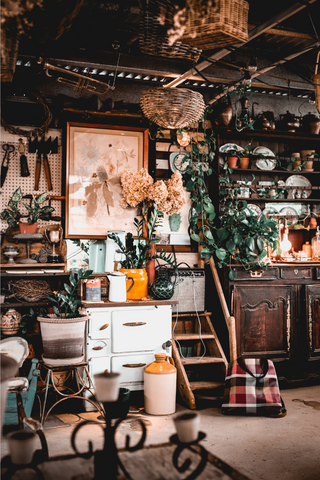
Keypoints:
pixel 172 107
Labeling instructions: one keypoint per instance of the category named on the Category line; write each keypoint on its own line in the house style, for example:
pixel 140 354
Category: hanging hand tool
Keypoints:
pixel 5 162
pixel 24 169
pixel 34 148
pixel 45 151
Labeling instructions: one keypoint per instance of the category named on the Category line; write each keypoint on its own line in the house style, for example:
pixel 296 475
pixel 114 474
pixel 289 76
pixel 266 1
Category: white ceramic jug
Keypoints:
pixel 117 288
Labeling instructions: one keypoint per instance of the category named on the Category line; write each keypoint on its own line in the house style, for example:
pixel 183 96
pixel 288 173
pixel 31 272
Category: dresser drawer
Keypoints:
pixel 99 324
pixel 139 330
pixel 98 365
pixel 296 273
pixel 271 273
pixel 131 367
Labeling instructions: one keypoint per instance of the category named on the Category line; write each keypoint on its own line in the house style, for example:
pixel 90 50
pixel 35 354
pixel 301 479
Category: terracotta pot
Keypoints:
pixel 244 163
pixel 232 162
pixel 307 153
pixel 309 165
pixel 26 228
pixel 140 287
pixel 296 164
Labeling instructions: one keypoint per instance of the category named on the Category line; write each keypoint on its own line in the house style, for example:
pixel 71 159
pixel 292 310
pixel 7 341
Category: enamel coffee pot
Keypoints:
pixel 117 288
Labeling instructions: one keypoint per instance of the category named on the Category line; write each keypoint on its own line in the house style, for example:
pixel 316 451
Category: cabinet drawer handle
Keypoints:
pixel 106 325
pixel 97 348
pixel 134 365
pixel 296 271
pixel 134 324
pixel 255 274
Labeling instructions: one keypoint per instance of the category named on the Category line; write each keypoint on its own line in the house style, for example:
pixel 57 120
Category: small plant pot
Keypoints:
pixel 244 163
pixel 26 228
pixel 309 165
pixel 232 162
pixel 306 153
pixel 296 164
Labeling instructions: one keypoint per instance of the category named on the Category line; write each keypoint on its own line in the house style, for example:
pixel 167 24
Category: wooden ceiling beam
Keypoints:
pixel 259 30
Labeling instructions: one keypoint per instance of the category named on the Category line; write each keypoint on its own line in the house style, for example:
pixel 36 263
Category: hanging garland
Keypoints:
pixel 36 132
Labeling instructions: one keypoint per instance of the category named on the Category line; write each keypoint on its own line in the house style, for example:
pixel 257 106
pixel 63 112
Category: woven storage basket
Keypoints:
pixel 155 20
pixel 172 107
pixel 225 22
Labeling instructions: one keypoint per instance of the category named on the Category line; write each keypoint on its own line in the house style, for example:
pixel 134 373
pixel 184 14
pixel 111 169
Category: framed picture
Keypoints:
pixel 96 155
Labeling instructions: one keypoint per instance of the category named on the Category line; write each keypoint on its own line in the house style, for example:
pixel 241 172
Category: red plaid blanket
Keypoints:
pixel 252 388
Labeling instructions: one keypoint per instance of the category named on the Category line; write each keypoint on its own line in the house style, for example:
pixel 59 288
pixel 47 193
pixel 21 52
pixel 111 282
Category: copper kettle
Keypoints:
pixel 311 123
pixel 290 122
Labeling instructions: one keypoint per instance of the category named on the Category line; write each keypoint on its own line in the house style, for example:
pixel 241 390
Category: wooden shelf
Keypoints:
pixel 268 134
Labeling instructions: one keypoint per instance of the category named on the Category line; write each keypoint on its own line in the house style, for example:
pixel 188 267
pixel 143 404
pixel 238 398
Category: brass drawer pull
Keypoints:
pixel 97 348
pixel 134 324
pixel 106 325
pixel 134 365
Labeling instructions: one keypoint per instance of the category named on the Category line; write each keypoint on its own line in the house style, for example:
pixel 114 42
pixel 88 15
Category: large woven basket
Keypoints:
pixel 224 22
pixel 155 20
pixel 172 107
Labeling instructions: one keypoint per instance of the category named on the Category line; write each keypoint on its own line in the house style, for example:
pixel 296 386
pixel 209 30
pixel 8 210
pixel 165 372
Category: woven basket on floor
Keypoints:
pixel 155 20
pixel 172 107
pixel 223 23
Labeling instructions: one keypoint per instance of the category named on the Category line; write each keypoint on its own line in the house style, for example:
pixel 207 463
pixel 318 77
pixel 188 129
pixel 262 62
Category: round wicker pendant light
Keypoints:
pixel 172 107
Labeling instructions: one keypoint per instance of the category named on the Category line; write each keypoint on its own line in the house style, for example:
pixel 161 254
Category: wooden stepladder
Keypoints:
pixel 207 352
pixel 207 355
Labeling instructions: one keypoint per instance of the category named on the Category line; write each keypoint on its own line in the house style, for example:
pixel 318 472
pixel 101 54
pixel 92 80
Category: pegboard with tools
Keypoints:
pixel 17 166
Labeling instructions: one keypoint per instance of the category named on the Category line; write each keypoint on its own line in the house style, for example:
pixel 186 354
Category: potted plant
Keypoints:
pixel 36 212
pixel 63 331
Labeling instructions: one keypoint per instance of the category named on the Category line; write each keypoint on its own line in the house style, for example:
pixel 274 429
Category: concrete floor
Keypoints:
pixel 260 448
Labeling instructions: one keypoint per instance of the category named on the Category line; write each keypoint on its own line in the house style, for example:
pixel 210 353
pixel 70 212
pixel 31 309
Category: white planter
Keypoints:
pixel 62 339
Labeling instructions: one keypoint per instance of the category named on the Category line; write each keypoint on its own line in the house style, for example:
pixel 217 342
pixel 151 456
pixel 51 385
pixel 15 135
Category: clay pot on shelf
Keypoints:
pixel 232 162
pixel 244 163
pixel 309 165
pixel 296 164
pixel 307 154
pixel 26 228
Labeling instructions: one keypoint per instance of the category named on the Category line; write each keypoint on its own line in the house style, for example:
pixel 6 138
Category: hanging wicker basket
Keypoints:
pixel 155 21
pixel 172 107
pixel 215 24
pixel 9 53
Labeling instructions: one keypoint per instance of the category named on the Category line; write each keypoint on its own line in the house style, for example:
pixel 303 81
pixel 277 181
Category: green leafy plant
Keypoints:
pixel 65 302
pixel 137 250
pixel 11 213
pixel 36 212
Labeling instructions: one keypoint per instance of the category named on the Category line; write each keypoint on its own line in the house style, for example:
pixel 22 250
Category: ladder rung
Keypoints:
pixel 194 336
pixel 199 360
pixel 205 385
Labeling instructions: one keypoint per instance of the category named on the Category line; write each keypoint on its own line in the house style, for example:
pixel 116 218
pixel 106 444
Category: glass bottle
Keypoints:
pixel 315 243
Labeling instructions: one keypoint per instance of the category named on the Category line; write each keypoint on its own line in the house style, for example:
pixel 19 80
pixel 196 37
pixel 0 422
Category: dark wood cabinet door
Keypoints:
pixel 313 320
pixel 264 319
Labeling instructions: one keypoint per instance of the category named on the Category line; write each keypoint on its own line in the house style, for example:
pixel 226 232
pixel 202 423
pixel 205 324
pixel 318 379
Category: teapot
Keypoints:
pixel 289 121
pixel 117 288
pixel 311 123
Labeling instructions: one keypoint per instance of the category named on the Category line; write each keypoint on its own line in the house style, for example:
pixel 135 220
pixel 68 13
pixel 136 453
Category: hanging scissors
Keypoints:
pixel 5 162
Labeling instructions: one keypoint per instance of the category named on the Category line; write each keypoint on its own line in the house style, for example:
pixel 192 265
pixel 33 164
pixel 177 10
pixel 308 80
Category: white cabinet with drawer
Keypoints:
pixel 124 338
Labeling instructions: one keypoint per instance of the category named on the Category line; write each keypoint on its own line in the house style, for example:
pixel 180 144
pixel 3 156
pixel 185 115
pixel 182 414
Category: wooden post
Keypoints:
pixel 230 321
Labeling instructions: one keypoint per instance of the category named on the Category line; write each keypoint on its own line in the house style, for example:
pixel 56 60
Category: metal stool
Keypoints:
pixel 78 376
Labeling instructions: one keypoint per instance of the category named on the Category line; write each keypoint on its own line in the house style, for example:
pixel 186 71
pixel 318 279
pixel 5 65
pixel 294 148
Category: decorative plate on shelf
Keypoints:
pixel 301 182
pixel 178 161
pixel 230 146
pixel 266 164
pixel 263 151
pixel 270 211
pixel 253 209
pixel 294 217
